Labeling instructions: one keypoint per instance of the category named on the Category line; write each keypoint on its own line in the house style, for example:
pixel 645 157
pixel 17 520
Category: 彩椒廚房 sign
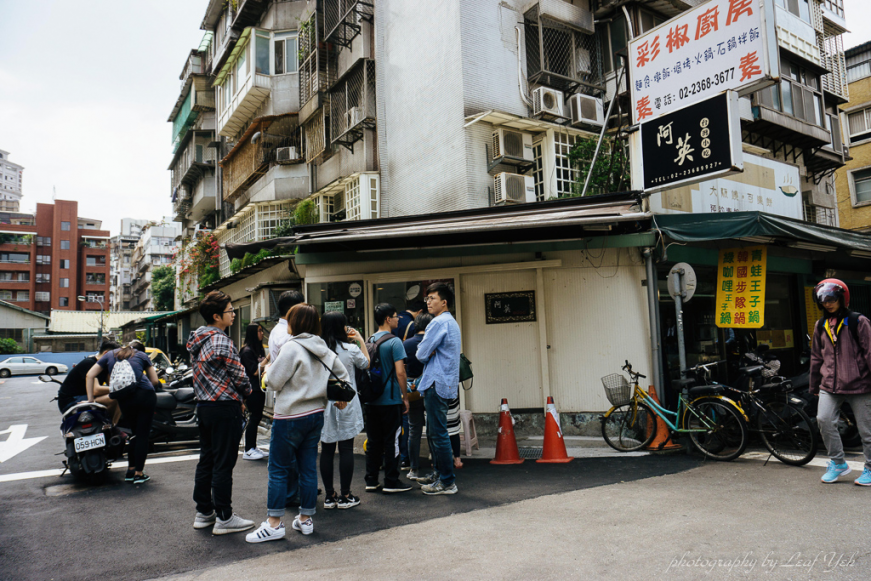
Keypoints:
pixel 719 45
pixel 741 288
pixel 697 142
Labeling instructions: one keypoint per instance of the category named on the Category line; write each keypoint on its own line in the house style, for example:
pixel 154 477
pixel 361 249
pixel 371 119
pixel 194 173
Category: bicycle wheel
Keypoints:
pixel 722 431
pixel 629 427
pixel 787 432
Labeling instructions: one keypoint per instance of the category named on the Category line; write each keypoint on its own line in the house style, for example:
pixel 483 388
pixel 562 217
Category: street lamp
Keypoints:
pixel 95 299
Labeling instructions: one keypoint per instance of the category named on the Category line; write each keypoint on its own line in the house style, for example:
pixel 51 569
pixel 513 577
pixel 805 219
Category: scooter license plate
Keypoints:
pixel 86 443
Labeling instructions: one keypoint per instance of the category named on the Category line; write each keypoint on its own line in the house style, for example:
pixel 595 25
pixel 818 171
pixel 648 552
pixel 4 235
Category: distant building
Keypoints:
pixel 154 248
pixel 55 256
pixel 121 263
pixel 10 184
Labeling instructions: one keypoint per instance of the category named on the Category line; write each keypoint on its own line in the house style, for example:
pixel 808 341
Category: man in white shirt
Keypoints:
pixel 279 334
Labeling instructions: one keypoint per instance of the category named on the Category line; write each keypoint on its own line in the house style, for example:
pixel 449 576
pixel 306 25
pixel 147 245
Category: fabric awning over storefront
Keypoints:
pixel 544 220
pixel 757 227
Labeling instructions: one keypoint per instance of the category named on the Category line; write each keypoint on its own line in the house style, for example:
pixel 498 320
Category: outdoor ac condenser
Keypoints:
pixel 287 155
pixel 547 102
pixel 512 143
pixel 586 110
pixel 513 188
pixel 353 117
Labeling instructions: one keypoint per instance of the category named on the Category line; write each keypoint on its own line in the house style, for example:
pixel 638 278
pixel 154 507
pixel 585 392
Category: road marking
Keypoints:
pixel 822 461
pixel 16 443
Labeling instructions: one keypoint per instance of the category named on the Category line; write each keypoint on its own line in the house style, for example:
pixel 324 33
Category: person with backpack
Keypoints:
pixel 440 353
pixel 253 357
pixel 74 390
pixel 299 376
pixel 384 411
pixel 414 370
pixel 342 421
pixel 131 383
pixel 840 372
pixel 220 387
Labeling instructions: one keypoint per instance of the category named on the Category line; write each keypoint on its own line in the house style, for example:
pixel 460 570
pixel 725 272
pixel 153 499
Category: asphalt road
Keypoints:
pixel 53 528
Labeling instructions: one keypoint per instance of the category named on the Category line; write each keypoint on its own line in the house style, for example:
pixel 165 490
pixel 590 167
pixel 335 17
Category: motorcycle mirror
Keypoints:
pixel 48 379
pixel 182 367
pixel 170 370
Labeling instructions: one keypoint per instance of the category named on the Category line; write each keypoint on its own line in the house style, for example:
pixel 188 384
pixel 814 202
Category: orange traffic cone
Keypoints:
pixel 662 442
pixel 554 451
pixel 506 445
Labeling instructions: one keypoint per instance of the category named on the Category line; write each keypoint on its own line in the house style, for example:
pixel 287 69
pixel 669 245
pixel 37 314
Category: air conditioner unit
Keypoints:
pixel 586 110
pixel 547 102
pixel 513 188
pixel 287 154
pixel 353 117
pixel 512 143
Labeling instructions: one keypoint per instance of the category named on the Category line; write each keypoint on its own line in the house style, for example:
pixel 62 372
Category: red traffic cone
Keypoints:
pixel 663 441
pixel 506 445
pixel 554 451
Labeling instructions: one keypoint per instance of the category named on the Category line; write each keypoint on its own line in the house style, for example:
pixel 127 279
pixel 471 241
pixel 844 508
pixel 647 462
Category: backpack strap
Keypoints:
pixel 405 335
pixel 852 320
pixel 378 344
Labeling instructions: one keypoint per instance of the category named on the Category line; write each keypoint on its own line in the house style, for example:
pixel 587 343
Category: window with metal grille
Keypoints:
pixel 317 67
pixel 566 175
pixel 43 297
pixel 342 19
pixel 316 131
pixel 538 172
pixel 352 105
pixel 560 57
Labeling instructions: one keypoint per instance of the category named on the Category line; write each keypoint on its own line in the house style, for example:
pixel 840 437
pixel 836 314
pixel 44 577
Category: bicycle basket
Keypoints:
pixel 617 389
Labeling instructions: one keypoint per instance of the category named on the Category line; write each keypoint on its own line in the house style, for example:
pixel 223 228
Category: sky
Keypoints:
pixel 86 88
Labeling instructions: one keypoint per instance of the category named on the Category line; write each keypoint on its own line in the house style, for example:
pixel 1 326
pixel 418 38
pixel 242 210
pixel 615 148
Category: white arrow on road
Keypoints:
pixel 16 443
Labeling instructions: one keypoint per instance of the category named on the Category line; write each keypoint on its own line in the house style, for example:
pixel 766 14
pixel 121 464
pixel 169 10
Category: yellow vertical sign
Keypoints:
pixel 741 287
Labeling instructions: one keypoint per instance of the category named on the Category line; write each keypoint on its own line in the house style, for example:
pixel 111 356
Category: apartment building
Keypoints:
pixel 156 247
pixel 55 258
pixel 121 263
pixel 11 178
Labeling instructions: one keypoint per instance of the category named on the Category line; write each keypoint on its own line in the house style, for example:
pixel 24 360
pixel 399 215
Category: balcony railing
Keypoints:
pixel 318 61
pixel 254 223
pixel 101 244
pixel 558 55
pixel 832 52
pixel 352 105
pixel 242 84
pixel 247 162
pixel 196 96
pixel 193 161
pixel 194 65
pixel 342 19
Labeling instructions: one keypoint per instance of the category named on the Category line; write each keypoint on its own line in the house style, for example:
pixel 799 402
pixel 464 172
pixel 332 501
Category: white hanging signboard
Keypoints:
pixel 719 45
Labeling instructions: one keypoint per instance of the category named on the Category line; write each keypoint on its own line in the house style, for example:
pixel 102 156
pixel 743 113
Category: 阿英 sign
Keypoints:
pixel 719 45
pixel 741 288
pixel 515 307
pixel 697 142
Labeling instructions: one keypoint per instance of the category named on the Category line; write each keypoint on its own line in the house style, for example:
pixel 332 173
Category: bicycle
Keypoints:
pixel 716 425
pixel 783 426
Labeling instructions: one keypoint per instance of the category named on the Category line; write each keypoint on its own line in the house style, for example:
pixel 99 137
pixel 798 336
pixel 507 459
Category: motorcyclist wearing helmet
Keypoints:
pixel 841 372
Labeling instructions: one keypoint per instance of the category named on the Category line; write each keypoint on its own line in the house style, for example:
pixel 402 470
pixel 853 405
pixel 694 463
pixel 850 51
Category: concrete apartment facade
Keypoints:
pixel 53 260
pixel 854 179
pixel 11 183
pixel 121 263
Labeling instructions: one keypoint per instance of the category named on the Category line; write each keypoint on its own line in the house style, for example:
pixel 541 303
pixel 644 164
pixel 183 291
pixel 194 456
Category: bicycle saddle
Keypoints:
pixel 751 369
pixel 705 390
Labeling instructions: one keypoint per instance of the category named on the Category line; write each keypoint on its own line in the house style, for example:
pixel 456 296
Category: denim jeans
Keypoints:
pixel 294 447
pixel 437 435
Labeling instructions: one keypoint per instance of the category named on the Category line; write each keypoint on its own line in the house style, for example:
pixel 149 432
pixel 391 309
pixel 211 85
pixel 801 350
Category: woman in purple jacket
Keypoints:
pixel 841 372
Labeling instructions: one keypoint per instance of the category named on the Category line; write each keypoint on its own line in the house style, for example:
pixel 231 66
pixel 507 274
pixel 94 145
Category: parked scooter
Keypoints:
pixel 175 416
pixel 91 441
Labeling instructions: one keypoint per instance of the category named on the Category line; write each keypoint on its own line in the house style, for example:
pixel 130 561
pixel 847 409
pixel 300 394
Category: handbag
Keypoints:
pixel 337 389
pixel 466 371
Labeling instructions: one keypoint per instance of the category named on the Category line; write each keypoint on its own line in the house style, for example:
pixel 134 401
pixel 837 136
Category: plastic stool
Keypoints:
pixel 469 435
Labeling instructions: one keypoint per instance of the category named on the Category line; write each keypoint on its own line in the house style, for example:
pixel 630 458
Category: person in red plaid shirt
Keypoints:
pixel 220 386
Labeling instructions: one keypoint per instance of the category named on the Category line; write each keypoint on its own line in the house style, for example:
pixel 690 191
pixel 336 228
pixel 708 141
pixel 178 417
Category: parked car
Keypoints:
pixel 29 366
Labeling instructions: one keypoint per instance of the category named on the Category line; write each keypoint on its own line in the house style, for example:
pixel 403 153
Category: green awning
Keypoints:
pixel 744 225
pixel 206 42
pixel 234 56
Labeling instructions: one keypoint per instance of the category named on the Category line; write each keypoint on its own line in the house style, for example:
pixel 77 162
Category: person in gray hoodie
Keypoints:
pixel 299 377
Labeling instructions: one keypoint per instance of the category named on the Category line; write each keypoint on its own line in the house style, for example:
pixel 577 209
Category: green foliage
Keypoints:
pixel 284 228
pixel 9 347
pixel 248 260
pixel 235 265
pixel 306 212
pixel 611 171
pixel 210 275
pixel 163 288
pixel 264 253
pixel 16 238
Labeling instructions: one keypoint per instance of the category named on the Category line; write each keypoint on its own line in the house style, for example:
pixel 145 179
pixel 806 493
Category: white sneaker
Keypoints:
pixel 266 533
pixel 253 454
pixel 234 524
pixel 203 521
pixel 306 528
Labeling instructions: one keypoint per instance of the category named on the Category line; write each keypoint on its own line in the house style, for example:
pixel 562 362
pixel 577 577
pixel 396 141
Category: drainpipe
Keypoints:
pixel 653 312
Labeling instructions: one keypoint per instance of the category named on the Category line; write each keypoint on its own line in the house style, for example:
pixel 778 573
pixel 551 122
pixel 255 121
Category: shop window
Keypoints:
pixel 347 297
pixel 402 294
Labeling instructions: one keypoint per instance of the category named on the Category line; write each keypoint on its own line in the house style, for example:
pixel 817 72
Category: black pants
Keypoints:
pixel 455 445
pixel 138 409
pixel 220 432
pixel 254 403
pixel 346 465
pixel 383 423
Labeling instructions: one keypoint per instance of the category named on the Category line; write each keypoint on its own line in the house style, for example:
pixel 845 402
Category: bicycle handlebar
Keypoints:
pixel 628 369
